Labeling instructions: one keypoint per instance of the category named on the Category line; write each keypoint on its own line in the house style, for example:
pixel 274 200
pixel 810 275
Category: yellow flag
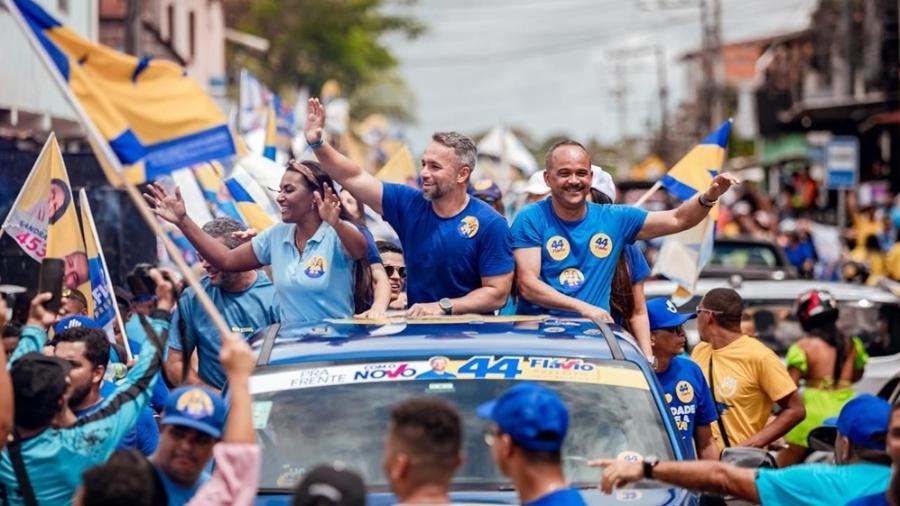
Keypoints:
pixel 400 168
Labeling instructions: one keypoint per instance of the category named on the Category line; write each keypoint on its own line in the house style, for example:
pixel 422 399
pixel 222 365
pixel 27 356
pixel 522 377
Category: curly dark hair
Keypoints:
pixel 96 345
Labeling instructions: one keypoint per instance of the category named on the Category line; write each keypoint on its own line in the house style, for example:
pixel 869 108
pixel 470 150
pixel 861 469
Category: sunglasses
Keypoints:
pixel 390 269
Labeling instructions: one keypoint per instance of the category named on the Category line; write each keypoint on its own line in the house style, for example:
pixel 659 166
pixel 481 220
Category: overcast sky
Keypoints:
pixel 543 65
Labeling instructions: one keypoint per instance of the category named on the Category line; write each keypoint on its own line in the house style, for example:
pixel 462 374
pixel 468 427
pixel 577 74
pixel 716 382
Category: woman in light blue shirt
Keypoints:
pixel 317 255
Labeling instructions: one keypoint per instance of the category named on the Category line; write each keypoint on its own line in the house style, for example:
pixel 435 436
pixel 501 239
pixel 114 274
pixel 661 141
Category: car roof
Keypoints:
pixel 788 289
pixel 453 336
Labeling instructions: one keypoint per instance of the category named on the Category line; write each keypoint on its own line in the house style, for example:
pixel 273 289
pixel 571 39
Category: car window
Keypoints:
pixel 743 255
pixel 339 411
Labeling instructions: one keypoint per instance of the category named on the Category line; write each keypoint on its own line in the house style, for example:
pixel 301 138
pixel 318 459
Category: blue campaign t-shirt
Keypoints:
pixel 446 257
pixel 176 494
pixel 820 484
pixel 637 263
pixel 688 397
pixel 578 258
pixel 372 254
pixel 879 499
pixel 561 497
pixel 245 312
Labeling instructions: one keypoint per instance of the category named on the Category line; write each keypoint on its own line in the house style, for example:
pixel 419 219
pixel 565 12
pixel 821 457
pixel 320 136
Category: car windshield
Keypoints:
pixel 743 255
pixel 339 412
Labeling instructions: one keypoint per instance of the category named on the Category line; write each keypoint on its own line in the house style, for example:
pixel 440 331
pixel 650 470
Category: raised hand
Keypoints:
pixel 315 121
pixel 38 315
pixel 329 207
pixel 236 357
pixel 168 207
pixel 720 185
pixel 245 235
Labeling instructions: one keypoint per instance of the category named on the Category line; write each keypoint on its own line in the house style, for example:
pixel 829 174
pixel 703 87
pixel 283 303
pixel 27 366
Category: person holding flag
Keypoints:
pixel 566 248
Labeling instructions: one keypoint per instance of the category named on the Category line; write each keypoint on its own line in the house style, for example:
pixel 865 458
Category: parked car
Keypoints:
pixel 323 393
pixel 871 313
pixel 750 258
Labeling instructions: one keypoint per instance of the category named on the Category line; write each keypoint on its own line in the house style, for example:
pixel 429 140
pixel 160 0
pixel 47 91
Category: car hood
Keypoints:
pixel 631 496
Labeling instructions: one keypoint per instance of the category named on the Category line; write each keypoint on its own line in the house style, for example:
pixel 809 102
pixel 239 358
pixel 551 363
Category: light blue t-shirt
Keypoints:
pixel 688 397
pixel 245 312
pixel 176 494
pixel 879 499
pixel 446 257
pixel 820 484
pixel 315 285
pixel 578 258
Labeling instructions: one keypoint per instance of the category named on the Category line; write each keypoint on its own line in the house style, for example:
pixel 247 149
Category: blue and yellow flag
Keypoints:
pixel 683 255
pixel 271 134
pixel 696 170
pixel 43 221
pixel 400 168
pixel 251 200
pixel 102 303
pixel 153 116
pixel 209 176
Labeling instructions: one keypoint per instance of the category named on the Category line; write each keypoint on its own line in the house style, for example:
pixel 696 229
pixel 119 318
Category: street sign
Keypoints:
pixel 842 163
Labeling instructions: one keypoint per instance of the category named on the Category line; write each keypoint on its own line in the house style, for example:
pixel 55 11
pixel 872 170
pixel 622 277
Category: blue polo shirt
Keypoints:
pixel 820 484
pixel 311 286
pixel 578 258
pixel 446 257
pixel 688 397
pixel 562 497
pixel 245 312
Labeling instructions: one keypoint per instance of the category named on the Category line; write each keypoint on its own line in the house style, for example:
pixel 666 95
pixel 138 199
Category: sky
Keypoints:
pixel 545 66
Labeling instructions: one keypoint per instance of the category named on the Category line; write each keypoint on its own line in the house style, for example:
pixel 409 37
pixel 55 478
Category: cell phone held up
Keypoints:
pixel 140 282
pixel 51 280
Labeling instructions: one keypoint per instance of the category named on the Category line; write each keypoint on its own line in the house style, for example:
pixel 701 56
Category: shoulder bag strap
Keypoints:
pixel 712 389
pixel 18 464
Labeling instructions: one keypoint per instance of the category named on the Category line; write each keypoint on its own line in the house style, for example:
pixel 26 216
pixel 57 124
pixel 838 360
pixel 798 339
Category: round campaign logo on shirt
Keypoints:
pixel 195 403
pixel 558 247
pixel 684 391
pixel 468 227
pixel 601 245
pixel 571 278
pixel 315 267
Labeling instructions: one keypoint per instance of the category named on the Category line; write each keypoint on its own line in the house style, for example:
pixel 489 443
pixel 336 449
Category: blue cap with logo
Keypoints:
pixel 196 407
pixel 663 314
pixel 862 419
pixel 534 417
pixel 71 322
pixel 487 190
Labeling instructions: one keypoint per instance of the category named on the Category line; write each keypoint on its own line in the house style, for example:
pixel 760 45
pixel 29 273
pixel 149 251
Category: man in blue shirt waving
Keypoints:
pixel 566 249
pixel 457 248
pixel 687 393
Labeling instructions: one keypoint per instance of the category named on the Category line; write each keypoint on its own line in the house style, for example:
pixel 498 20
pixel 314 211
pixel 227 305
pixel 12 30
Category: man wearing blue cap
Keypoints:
pixel 861 467
pixel 892 497
pixel 191 425
pixel 529 424
pixel 685 388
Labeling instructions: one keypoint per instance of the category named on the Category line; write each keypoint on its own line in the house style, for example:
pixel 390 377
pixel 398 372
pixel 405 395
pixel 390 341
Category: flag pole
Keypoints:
pixel 103 149
pixel 653 189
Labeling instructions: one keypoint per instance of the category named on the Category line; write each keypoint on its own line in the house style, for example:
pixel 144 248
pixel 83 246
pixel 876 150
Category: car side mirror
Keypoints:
pixel 752 458
pixel 821 439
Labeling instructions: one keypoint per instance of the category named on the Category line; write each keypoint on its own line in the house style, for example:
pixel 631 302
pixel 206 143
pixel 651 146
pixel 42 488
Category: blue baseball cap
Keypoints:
pixel 487 190
pixel 196 407
pixel 862 419
pixel 70 322
pixel 534 417
pixel 663 314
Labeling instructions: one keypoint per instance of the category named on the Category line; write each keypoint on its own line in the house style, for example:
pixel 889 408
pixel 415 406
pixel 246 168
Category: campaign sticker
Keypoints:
pixel 558 247
pixel 628 495
pixel 630 456
pixel 261 412
pixel 315 267
pixel 468 227
pixel 684 391
pixel 554 330
pixel 601 245
pixel 571 278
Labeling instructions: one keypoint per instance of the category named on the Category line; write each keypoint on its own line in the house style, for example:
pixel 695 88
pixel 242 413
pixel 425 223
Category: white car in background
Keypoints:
pixel 871 313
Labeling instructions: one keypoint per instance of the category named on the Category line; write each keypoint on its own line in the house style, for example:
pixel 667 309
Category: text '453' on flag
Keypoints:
pixel 153 117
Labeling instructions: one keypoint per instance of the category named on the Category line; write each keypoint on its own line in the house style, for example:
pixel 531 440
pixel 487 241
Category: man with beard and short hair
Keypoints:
pixel 566 249
pixel 423 450
pixel 86 349
pixel 457 248
pixel 245 299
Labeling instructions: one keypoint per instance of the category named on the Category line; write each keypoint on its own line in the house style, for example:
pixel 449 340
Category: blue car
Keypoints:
pixel 323 393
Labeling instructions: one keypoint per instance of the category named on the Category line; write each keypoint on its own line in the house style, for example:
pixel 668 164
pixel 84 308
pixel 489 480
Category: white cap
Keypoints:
pixel 603 182
pixel 536 184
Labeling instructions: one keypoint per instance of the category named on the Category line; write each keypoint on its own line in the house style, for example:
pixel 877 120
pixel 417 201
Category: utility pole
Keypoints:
pixel 621 55
pixel 133 27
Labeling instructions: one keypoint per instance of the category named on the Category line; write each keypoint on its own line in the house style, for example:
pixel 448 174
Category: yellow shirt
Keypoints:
pixel 749 379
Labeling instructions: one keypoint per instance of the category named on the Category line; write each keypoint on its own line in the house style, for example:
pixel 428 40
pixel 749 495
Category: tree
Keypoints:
pixel 312 41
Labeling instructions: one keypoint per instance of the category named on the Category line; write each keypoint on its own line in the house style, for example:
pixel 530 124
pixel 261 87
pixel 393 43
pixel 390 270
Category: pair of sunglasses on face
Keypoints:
pixel 390 269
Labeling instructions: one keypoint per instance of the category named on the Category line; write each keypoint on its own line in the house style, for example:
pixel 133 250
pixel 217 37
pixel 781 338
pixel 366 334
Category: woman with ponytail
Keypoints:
pixel 825 363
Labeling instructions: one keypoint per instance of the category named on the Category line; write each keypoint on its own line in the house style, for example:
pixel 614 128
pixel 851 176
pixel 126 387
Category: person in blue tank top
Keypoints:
pixel 245 299
pixel 457 248
pixel 566 248
pixel 317 255
pixel 687 394
pixel 528 427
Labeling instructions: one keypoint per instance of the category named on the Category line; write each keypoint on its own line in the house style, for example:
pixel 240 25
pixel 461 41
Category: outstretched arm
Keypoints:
pixel 701 475
pixel 688 214
pixel 362 185
pixel 171 208
pixel 528 272
pixel 640 320
pixel 792 412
